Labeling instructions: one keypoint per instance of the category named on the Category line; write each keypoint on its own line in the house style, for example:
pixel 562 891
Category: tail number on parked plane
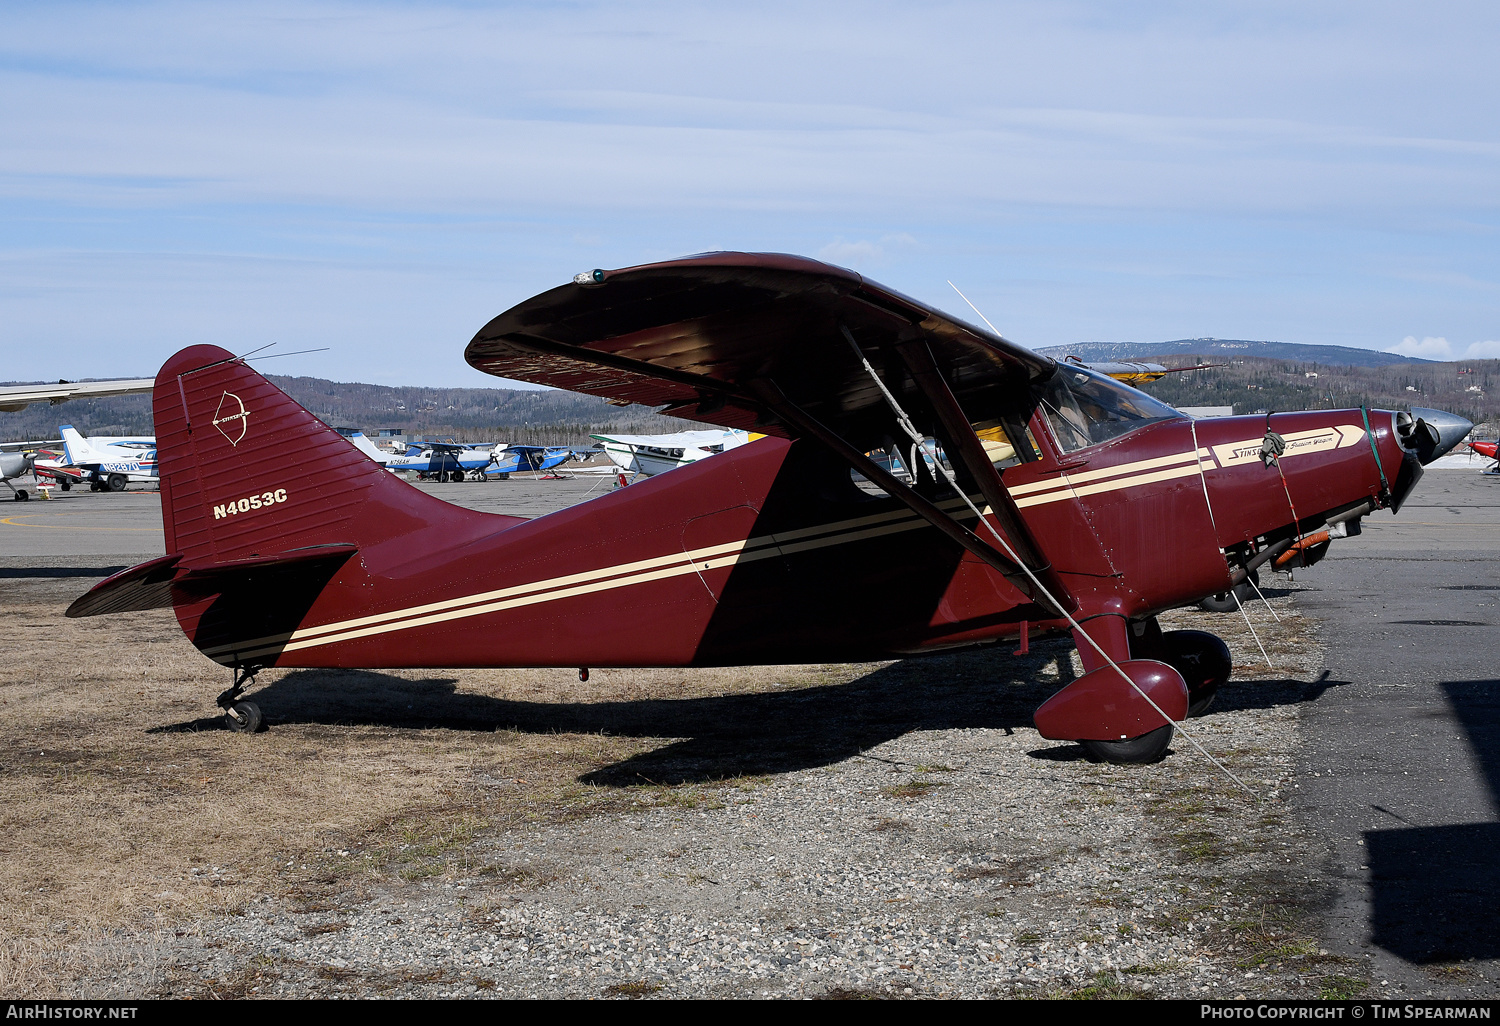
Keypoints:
pixel 245 505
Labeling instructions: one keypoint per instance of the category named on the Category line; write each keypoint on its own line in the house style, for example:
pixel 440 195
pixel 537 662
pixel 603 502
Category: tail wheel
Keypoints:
pixel 1146 748
pixel 243 718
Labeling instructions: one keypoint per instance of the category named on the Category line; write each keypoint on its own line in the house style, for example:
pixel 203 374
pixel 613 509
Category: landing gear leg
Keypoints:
pixel 241 717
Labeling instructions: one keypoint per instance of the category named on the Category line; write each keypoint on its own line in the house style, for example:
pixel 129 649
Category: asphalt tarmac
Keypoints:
pixel 1401 766
pixel 1401 763
pixel 125 527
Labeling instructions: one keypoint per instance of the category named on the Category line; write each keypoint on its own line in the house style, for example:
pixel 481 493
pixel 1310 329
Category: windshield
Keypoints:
pixel 1086 407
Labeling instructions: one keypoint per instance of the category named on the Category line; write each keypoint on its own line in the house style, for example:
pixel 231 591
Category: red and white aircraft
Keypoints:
pixel 1105 507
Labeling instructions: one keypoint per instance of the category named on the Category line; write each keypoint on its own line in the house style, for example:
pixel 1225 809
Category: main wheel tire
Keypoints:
pixel 22 495
pixel 67 486
pixel 247 721
pixel 117 482
pixel 1146 748
pixel 1204 662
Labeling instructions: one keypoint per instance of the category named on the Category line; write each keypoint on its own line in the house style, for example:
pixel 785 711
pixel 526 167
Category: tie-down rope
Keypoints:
pixel 918 439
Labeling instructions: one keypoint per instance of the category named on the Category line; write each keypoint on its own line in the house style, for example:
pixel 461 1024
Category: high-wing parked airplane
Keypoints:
pixel 649 455
pixel 444 461
pixel 107 463
pixel 19 459
pixel 1109 508
pixel 509 459
pixel 1135 373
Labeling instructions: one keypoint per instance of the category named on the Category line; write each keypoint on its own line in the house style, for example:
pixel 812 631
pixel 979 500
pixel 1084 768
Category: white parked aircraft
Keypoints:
pixel 107 463
pixel 656 454
pixel 19 459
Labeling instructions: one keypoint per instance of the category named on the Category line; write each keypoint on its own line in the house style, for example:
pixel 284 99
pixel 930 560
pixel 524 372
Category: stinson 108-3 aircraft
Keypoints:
pixel 1063 502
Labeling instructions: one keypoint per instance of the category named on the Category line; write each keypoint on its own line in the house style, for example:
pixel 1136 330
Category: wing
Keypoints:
pixel 679 440
pixel 28 446
pixel 18 397
pixel 1139 373
pixel 697 334
pixel 787 346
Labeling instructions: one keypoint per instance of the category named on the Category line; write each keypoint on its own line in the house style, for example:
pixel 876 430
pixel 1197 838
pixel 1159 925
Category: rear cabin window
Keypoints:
pixel 1085 407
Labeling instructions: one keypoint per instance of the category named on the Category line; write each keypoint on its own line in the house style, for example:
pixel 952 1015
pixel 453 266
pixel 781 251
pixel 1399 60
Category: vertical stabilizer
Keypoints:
pixel 76 447
pixel 247 472
pixel 367 447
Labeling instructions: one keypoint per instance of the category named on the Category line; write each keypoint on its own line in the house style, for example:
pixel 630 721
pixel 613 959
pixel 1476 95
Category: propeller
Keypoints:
pixel 1431 433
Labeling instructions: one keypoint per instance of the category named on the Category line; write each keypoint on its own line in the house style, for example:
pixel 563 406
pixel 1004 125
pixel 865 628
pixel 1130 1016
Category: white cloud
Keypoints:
pixel 1439 348
pixel 1487 350
pixel 1429 348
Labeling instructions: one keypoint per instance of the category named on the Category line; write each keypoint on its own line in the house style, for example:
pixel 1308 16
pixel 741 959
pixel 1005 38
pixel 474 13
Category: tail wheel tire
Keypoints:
pixel 243 718
pixel 1146 748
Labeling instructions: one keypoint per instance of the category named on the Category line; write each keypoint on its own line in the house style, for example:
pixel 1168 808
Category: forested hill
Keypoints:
pixel 1224 348
pixel 550 417
pixel 530 416
pixel 1254 385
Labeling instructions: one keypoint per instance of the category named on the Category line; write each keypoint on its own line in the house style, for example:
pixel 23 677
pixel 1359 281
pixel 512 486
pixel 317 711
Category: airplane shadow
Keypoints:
pixel 765 733
pixel 1435 891
pixel 23 572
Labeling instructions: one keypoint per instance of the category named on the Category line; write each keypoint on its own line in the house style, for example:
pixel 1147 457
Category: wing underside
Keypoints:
pixel 698 335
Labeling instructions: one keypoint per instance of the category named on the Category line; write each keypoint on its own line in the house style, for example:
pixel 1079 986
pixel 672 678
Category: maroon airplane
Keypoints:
pixel 1052 499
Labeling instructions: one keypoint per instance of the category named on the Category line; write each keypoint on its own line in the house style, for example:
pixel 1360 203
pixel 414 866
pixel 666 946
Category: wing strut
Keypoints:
pixel 790 413
pixel 924 370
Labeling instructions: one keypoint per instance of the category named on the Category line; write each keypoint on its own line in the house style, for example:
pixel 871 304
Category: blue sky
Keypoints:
pixel 383 178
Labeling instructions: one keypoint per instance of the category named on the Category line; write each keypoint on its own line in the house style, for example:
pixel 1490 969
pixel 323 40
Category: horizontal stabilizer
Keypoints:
pixel 146 585
pixel 149 585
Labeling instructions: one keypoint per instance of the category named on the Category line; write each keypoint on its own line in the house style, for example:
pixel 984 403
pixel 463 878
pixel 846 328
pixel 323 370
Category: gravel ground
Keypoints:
pixel 957 856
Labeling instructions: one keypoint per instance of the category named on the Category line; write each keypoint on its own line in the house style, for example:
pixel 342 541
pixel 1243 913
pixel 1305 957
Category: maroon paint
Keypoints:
pixel 1102 706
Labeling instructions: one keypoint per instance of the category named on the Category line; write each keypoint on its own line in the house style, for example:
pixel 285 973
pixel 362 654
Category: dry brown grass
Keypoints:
pixel 125 806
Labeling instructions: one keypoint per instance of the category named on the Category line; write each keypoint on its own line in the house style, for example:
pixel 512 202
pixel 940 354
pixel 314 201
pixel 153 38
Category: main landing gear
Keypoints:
pixel 1116 709
pixel 1202 658
pixel 241 717
pixel 1205 664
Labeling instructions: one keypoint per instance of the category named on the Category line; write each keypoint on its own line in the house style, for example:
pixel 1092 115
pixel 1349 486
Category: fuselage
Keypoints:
pixel 768 554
